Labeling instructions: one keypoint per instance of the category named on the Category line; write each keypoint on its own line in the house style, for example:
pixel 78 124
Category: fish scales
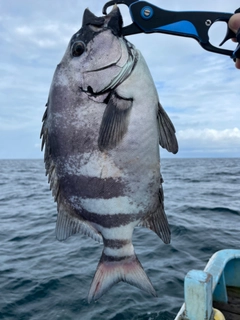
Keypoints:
pixel 101 130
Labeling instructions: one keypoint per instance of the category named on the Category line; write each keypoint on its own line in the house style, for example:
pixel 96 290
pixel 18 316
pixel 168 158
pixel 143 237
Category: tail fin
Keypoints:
pixel 112 270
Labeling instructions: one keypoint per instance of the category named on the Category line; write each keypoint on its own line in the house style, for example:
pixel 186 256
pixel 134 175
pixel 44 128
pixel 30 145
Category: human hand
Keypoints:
pixel 234 25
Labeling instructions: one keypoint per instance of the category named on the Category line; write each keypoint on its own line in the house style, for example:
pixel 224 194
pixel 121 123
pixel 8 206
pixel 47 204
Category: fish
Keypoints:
pixel 101 132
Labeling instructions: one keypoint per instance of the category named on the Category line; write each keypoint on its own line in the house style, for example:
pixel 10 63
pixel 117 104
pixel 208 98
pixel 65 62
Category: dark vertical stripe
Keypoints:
pixel 110 221
pixel 92 187
pixel 115 244
pixel 112 259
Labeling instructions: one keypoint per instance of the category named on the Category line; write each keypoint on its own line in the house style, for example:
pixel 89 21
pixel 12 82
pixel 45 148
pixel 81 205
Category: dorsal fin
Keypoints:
pixel 157 221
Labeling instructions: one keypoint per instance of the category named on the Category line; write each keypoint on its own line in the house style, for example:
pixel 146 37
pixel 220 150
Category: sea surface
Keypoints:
pixel 43 279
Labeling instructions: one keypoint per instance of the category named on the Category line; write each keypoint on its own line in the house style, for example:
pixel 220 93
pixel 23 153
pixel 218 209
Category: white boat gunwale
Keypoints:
pixel 201 288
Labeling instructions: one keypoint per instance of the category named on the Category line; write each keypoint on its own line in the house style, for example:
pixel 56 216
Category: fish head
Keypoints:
pixel 97 56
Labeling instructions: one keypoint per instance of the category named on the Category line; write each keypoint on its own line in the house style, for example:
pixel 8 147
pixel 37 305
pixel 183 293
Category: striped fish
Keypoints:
pixel 101 130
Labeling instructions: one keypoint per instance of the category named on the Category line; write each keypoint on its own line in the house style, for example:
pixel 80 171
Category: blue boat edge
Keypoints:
pixel 201 288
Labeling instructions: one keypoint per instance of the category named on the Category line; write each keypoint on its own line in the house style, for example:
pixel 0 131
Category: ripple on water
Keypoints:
pixel 42 278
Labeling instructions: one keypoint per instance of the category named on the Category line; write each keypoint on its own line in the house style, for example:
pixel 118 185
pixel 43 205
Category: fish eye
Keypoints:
pixel 78 48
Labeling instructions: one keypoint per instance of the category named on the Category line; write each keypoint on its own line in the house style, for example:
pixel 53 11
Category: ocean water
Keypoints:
pixel 41 278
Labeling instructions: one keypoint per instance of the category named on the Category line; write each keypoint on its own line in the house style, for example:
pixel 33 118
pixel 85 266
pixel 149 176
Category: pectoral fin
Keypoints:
pixel 167 137
pixel 114 122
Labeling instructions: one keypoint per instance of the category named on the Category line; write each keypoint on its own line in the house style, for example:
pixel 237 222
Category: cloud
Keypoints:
pixel 210 138
pixel 210 135
pixel 50 35
pixel 199 89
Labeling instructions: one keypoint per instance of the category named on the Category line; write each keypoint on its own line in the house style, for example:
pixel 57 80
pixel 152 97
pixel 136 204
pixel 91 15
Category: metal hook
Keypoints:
pixel 112 3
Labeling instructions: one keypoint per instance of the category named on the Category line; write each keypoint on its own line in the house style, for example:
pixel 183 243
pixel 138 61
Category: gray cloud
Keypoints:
pixel 198 89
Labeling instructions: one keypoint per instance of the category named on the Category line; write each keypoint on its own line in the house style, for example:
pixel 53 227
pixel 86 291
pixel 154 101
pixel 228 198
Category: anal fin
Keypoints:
pixel 68 225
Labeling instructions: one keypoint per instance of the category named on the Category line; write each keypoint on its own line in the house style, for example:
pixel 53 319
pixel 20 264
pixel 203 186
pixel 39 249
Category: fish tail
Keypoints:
pixel 112 270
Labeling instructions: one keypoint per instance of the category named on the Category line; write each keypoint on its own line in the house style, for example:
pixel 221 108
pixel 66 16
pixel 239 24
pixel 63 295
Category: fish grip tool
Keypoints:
pixel 147 18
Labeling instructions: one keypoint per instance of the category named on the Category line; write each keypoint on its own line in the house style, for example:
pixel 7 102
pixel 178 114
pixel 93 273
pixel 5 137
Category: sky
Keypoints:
pixel 198 89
